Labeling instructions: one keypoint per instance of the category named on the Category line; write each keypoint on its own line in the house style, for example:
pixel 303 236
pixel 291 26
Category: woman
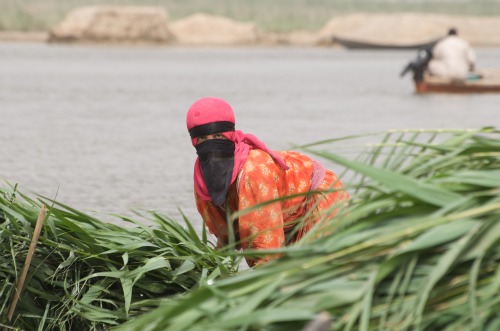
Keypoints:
pixel 236 171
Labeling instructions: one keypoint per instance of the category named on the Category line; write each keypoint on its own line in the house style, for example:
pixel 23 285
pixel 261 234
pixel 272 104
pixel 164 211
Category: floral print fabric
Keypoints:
pixel 273 224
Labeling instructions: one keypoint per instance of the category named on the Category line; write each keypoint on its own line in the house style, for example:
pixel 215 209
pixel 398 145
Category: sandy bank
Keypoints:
pixel 411 28
pixel 20 36
pixel 113 24
pixel 102 24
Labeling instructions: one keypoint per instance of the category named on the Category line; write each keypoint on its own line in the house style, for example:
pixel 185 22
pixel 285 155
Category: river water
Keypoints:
pixel 103 128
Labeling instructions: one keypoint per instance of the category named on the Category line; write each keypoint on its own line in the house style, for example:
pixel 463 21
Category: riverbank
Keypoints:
pixel 270 16
pixel 23 36
pixel 212 30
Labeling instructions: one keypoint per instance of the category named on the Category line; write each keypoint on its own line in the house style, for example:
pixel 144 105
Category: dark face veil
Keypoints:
pixel 217 162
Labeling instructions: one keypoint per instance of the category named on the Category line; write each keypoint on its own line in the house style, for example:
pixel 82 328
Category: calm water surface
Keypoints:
pixel 104 128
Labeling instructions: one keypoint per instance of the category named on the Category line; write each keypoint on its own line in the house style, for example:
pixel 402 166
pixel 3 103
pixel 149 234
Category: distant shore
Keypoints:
pixel 23 36
pixel 393 28
pixel 271 16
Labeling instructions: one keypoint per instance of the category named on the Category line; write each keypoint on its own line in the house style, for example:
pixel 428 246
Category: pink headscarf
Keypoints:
pixel 209 110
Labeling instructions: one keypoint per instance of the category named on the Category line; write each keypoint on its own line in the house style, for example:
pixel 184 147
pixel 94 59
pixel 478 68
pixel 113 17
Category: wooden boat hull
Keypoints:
pixel 489 83
pixel 359 44
pixel 423 87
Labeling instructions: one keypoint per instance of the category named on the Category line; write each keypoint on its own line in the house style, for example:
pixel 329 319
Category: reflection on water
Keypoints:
pixel 104 128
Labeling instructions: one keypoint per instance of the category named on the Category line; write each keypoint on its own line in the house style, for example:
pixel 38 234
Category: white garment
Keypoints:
pixel 452 58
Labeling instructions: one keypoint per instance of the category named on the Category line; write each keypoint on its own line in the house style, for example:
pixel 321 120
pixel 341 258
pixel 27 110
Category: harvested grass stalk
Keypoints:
pixel 27 263
pixel 417 249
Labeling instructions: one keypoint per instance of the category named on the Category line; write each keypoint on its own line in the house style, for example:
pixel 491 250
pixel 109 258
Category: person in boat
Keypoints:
pixel 452 58
pixel 235 171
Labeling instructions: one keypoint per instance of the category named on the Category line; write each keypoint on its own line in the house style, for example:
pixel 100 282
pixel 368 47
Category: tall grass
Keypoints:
pixel 276 15
pixel 87 274
pixel 419 249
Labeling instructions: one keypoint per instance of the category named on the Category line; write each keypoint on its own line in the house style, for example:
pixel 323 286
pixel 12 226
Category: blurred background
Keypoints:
pixel 276 15
pixel 97 121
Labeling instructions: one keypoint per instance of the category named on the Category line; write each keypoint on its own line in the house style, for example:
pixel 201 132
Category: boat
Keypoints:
pixel 486 81
pixel 359 44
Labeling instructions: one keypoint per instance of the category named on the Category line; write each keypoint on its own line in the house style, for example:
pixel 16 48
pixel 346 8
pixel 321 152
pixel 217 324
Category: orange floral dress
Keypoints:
pixel 272 223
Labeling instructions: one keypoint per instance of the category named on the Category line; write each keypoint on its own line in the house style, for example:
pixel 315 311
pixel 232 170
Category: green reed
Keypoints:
pixel 88 274
pixel 417 249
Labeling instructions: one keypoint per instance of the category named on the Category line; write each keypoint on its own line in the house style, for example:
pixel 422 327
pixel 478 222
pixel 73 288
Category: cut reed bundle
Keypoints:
pixel 417 249
pixel 86 274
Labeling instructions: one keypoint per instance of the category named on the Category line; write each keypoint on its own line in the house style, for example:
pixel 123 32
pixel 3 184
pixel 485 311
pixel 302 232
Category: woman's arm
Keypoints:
pixel 261 228
pixel 214 219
